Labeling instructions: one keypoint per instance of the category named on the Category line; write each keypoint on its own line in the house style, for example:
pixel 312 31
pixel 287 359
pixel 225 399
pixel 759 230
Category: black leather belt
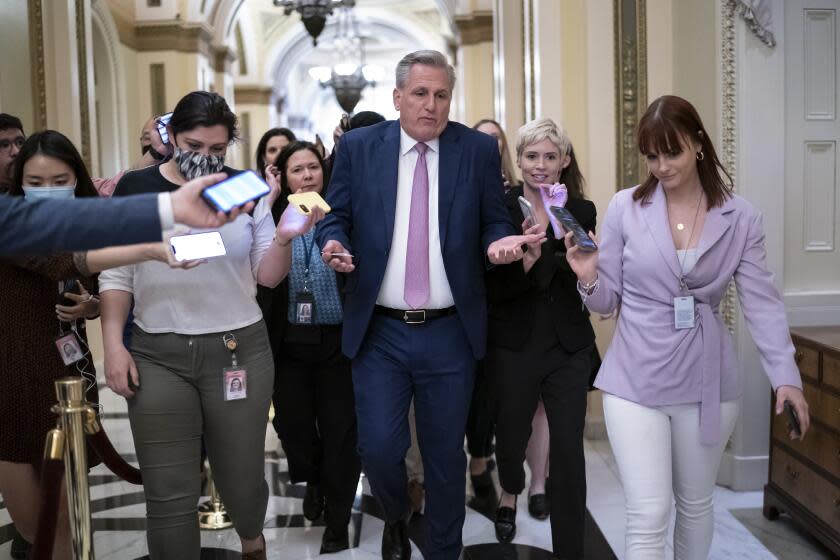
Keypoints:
pixel 414 316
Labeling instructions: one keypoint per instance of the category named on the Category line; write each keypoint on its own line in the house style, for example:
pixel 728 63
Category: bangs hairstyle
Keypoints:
pixel 538 130
pixel 53 144
pixel 508 169
pixel 668 121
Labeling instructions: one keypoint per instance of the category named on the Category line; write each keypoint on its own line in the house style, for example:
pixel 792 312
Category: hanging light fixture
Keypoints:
pixel 313 13
pixel 347 78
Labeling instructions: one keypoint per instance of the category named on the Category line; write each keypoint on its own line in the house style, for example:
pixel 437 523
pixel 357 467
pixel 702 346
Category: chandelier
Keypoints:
pixel 313 13
pixel 348 79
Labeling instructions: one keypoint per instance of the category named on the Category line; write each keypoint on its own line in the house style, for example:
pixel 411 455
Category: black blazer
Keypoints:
pixel 513 295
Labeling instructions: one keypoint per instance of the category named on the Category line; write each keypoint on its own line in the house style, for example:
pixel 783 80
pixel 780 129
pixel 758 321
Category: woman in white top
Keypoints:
pixel 194 332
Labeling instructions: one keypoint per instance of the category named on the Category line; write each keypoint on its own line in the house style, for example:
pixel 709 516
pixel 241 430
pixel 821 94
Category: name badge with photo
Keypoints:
pixel 69 349
pixel 235 383
pixel 684 312
pixel 304 308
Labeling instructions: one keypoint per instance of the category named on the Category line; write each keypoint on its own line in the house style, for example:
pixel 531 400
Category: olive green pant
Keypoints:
pixel 181 400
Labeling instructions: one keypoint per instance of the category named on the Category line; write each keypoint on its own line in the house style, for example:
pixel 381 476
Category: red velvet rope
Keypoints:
pixel 52 471
pixel 106 452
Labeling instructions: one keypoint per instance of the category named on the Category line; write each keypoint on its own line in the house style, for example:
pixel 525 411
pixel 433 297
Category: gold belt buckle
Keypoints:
pixel 414 317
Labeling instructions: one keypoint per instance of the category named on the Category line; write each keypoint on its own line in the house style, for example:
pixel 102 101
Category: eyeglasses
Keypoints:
pixel 6 145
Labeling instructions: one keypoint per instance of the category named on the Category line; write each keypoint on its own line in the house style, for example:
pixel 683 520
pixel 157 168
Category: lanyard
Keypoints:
pixel 307 258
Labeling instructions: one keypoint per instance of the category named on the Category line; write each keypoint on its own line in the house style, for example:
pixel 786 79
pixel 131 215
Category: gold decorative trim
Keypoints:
pixel 174 37
pixel 631 87
pixel 475 28
pixel 729 132
pixel 84 109
pixel 36 54
pixel 256 95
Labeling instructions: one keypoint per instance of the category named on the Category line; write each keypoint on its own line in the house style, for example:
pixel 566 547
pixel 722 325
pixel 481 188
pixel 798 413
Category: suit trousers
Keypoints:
pixel 433 363
pixel 315 419
pixel 180 400
pixel 480 419
pixel 518 379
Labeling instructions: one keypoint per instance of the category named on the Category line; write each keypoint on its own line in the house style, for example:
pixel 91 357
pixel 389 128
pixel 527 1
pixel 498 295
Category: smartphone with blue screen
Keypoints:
pixel 161 127
pixel 235 191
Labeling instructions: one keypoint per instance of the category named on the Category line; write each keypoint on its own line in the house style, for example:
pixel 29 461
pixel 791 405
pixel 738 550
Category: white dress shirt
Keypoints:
pixel 391 293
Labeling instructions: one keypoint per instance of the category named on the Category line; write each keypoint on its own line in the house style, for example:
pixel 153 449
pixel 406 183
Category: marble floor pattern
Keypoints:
pixel 741 532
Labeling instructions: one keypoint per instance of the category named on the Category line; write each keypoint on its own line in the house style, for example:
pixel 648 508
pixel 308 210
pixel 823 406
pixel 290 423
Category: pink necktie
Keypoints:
pixel 417 254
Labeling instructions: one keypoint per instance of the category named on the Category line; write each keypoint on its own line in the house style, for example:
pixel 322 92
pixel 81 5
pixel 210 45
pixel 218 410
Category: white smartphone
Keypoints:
pixel 527 211
pixel 197 246
pixel 235 191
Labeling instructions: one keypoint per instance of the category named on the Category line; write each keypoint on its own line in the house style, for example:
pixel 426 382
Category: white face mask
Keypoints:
pixel 63 191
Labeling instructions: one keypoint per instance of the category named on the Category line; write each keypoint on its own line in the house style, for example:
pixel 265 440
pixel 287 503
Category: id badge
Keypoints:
pixel 304 308
pixel 684 312
pixel 235 383
pixel 69 349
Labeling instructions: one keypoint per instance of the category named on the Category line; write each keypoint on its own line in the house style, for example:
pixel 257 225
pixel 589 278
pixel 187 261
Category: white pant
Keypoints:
pixel 660 457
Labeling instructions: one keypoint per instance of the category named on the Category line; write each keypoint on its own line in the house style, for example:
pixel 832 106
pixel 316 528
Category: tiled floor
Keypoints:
pixel 741 532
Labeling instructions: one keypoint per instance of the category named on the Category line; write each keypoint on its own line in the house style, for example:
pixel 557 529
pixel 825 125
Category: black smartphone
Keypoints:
pixel 161 127
pixel 131 384
pixel 345 122
pixel 70 285
pixel 793 419
pixel 235 191
pixel 569 222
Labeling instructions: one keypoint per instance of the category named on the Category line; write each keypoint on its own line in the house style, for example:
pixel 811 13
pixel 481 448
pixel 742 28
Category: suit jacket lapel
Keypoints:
pixel 655 215
pixel 449 161
pixel 385 174
pixel 717 222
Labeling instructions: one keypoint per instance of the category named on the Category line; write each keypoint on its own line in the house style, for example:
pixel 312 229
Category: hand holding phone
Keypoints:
pixel 527 211
pixel 306 201
pixel 235 191
pixel 793 419
pixel 569 223
pixel 197 246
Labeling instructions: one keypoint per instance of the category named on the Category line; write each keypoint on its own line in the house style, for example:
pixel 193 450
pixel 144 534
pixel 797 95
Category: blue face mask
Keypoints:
pixel 63 191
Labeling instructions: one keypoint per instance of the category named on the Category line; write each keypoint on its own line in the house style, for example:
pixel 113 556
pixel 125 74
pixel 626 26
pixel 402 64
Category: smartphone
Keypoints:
pixel 71 285
pixel 235 191
pixel 344 123
pixel 306 201
pixel 197 246
pixel 161 126
pixel 527 210
pixel 569 222
pixel 793 420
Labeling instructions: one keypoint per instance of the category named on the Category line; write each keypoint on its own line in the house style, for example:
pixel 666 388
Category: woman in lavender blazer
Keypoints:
pixel 670 377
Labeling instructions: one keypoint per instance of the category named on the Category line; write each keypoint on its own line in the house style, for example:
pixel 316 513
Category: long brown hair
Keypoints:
pixel 668 120
pixel 508 169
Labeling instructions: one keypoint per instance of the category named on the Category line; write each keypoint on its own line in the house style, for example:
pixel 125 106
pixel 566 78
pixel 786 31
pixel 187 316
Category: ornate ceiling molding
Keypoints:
pixel 255 95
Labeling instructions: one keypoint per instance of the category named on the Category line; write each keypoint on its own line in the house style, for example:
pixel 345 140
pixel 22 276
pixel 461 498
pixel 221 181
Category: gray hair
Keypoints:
pixel 427 58
pixel 540 129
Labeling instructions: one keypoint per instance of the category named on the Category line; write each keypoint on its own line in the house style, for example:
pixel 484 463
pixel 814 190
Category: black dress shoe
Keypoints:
pixel 313 502
pixel 395 545
pixel 505 524
pixel 539 506
pixel 334 541
pixel 20 547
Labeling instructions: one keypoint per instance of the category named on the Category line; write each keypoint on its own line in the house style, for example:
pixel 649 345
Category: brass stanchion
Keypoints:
pixel 212 514
pixel 72 409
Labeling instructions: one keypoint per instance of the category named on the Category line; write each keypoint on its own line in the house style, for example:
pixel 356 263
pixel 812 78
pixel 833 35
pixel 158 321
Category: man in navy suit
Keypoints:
pixel 419 204
pixel 29 227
